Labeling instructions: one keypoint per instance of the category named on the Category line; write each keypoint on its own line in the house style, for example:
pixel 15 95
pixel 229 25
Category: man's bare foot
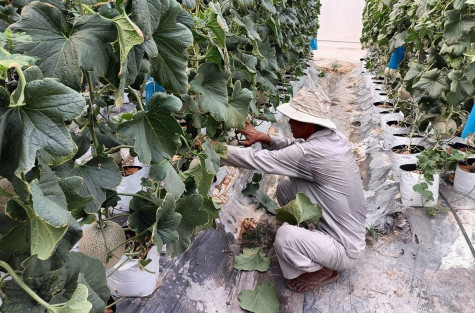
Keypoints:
pixel 310 281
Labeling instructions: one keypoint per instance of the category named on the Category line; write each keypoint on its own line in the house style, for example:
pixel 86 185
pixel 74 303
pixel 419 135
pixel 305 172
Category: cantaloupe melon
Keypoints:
pixel 447 127
pixel 92 242
pixel 403 94
pixel 6 186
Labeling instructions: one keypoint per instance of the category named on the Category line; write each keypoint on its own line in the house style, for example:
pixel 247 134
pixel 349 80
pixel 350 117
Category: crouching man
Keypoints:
pixel 319 163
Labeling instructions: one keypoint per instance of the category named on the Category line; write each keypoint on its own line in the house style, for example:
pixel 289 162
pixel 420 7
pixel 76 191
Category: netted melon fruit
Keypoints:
pixel 92 242
pixel 447 127
pixel 6 186
pixel 403 94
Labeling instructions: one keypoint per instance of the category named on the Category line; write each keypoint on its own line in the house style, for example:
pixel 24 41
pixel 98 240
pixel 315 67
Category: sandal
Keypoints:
pixel 309 286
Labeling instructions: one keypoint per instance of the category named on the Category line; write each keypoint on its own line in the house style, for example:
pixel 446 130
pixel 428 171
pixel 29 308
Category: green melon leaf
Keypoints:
pixel 183 243
pixel 299 210
pixel 263 299
pixel 433 82
pixel 200 174
pixel 71 187
pixel 245 61
pixel 99 173
pixel 252 259
pixel 38 124
pixel 156 132
pixel 211 84
pixel 192 214
pixel 143 213
pixel 164 171
pixel 8 60
pixel 63 51
pixel 167 221
pixel 456 26
pixel 238 107
pixel 172 40
pixel 269 60
pixel 269 6
pixel 48 221
pixel 213 213
pixel 77 304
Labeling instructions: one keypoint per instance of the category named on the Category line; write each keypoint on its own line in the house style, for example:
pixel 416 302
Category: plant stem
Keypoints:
pixel 139 100
pixel 91 113
pixel 116 149
pixel 113 303
pixel 135 195
pixel 127 240
pixel 116 216
pixel 186 143
pixel 24 286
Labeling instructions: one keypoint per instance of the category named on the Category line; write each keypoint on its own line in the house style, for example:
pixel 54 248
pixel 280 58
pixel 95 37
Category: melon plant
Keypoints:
pixel 97 242
pixel 62 94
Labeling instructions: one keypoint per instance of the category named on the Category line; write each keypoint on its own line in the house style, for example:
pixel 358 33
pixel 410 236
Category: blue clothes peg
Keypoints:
pixel 396 57
pixel 470 126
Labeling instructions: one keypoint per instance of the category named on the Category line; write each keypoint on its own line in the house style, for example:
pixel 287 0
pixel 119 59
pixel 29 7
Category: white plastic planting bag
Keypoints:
pixel 398 159
pixel 129 280
pixel 464 182
pixel 391 116
pixel 388 134
pixel 409 197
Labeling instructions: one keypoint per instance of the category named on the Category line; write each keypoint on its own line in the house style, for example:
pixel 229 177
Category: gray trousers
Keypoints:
pixel 300 250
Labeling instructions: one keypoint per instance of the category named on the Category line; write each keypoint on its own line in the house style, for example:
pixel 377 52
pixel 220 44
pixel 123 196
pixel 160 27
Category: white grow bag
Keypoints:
pixel 465 181
pixel 389 132
pixel 386 116
pixel 129 280
pixel 409 197
pixel 398 159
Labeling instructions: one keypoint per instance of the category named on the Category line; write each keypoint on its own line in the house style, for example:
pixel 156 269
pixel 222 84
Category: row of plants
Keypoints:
pixel 434 85
pixel 65 68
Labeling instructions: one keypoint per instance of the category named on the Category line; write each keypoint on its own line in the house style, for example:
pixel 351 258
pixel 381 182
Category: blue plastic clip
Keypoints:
pixel 396 57
pixel 314 44
pixel 151 87
pixel 470 126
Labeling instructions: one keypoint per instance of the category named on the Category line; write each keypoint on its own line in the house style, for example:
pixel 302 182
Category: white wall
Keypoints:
pixel 341 20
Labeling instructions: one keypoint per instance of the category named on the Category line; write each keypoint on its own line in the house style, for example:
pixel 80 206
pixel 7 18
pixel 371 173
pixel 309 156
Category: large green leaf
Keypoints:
pixel 253 189
pixel 8 60
pixel 252 259
pixel 172 39
pixel 129 36
pixel 269 6
pixel 216 24
pixel 143 213
pixel 245 61
pixel 299 210
pixel 213 158
pixel 263 299
pixel 213 213
pixel 191 211
pixel 164 171
pixel 238 107
pixel 48 221
pixel 433 82
pixel 13 235
pixel 269 61
pixel 147 14
pixel 99 173
pixel 183 243
pixel 38 124
pixel 63 50
pixel 211 84
pixel 167 221
pixel 76 304
pixel 156 132
pixel 456 25
pixel 200 174
pixel 71 187
pixel 88 271
pixel 460 88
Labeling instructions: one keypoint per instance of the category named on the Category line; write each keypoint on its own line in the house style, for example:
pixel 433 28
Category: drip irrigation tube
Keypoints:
pixel 460 224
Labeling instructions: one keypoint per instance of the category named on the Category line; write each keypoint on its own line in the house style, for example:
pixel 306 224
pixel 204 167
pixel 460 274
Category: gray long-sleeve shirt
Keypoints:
pixel 325 170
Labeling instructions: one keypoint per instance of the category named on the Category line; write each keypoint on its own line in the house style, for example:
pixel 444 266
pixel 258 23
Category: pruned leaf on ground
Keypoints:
pixel 63 51
pixel 299 210
pixel 253 189
pixel 166 224
pixel 252 259
pixel 164 171
pixel 172 40
pixel 38 124
pixel 156 132
pixel 263 299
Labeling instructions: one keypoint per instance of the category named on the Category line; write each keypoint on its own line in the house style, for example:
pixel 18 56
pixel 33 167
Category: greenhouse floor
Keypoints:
pixel 420 263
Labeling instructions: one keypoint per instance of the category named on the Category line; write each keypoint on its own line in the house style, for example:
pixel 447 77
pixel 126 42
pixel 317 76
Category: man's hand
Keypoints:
pixel 253 136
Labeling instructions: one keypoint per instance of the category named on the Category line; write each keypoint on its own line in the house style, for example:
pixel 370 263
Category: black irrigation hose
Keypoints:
pixel 460 224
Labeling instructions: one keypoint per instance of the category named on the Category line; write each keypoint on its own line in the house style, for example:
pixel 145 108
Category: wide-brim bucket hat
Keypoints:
pixel 309 106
